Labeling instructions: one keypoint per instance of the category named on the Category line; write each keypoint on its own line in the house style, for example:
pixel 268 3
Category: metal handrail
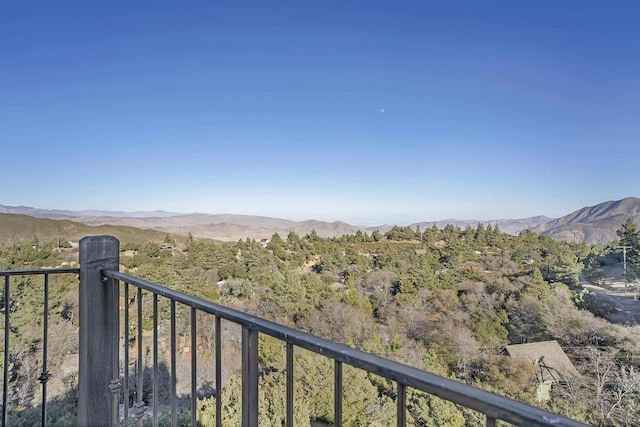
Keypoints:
pixel 494 406
pixel 4 273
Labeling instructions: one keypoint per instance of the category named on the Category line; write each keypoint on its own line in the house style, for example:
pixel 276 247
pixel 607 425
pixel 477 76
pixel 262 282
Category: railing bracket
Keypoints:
pixel 115 386
pixel 139 409
pixel 44 377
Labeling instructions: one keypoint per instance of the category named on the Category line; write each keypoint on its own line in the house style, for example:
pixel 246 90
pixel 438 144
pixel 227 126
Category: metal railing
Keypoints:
pixel 45 374
pixel 102 385
pixel 495 407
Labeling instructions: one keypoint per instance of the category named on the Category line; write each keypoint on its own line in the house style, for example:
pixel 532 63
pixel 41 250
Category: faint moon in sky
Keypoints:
pixel 382 110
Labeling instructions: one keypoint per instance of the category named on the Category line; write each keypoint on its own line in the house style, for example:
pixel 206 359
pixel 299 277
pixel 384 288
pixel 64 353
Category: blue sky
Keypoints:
pixel 368 112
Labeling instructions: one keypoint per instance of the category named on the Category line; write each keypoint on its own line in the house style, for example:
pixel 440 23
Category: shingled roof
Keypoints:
pixel 551 362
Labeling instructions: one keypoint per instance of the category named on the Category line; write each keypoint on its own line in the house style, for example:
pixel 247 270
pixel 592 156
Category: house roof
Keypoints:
pixel 550 360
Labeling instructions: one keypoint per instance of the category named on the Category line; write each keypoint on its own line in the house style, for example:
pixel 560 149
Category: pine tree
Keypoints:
pixel 630 243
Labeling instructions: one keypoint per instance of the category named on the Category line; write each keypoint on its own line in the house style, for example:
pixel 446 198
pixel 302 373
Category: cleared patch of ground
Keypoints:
pixel 623 301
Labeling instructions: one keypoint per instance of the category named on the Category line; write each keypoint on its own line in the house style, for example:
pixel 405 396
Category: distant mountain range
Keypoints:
pixel 226 227
pixel 591 224
pixel 61 214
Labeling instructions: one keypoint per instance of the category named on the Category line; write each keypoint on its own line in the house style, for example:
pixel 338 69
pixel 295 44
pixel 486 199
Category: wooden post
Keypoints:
pixel 98 331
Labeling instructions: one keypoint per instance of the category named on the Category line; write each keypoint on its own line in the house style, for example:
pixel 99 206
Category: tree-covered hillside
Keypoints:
pixel 447 301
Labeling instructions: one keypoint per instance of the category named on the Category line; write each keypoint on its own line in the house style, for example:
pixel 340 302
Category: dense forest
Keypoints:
pixel 445 300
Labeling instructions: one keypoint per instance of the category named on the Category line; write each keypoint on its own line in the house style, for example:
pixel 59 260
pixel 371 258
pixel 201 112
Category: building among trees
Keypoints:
pixel 551 364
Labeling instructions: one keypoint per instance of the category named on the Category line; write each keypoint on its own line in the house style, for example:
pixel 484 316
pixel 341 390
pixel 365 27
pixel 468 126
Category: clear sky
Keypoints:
pixel 368 112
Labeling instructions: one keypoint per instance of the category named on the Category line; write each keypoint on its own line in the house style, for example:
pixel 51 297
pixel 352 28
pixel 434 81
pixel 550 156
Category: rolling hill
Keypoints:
pixel 21 227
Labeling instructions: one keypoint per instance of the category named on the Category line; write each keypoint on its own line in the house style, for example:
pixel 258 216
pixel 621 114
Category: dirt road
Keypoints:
pixel 626 310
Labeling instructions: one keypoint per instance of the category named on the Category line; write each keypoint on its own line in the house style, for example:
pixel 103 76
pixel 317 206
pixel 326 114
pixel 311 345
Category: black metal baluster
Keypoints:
pixel 139 406
pixel 44 376
pixel 115 386
pixel 218 372
pixel 337 393
pixel 249 377
pixel 174 413
pixel 126 355
pixel 402 405
pixel 193 368
pixel 156 382
pixel 289 385
pixel 5 384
